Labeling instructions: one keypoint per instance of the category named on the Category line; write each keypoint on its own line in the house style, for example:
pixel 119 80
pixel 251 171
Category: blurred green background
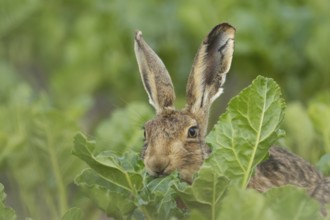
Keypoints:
pixel 69 66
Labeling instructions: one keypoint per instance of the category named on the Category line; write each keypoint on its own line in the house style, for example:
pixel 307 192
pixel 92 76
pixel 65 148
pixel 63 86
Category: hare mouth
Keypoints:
pixel 160 173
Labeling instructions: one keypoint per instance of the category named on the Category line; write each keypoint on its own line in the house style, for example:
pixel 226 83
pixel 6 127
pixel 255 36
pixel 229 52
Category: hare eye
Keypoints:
pixel 192 132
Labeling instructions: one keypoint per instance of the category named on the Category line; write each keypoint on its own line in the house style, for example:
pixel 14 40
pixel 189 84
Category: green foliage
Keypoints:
pixel 279 203
pixel 310 138
pixel 118 184
pixel 64 65
pixel 55 43
pixel 244 133
pixel 5 212
pixel 205 195
pixel 36 144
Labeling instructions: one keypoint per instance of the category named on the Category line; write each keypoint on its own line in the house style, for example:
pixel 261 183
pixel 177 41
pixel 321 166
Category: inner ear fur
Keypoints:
pixel 155 77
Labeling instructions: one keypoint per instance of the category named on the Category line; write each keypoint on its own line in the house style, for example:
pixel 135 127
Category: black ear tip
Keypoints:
pixel 223 27
pixel 226 26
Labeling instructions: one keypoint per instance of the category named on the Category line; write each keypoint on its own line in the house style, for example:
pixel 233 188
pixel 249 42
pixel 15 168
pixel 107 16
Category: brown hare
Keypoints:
pixel 175 139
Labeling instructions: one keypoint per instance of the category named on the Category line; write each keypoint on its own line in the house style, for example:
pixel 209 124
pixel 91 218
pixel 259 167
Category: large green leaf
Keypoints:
pixel 243 134
pixel 109 166
pixel 204 196
pixel 112 199
pixel 114 179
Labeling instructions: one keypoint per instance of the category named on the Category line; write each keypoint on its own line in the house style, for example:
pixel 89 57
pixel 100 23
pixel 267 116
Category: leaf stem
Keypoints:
pixel 62 203
pixel 213 199
pixel 130 184
pixel 248 170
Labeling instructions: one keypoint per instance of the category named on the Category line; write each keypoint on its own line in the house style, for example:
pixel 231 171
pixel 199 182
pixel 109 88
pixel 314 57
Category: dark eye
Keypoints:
pixel 192 132
pixel 144 134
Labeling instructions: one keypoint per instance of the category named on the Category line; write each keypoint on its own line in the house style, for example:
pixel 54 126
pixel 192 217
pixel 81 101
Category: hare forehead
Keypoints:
pixel 170 124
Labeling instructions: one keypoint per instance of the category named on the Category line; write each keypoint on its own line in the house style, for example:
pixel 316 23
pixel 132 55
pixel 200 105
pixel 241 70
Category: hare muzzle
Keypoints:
pixel 157 165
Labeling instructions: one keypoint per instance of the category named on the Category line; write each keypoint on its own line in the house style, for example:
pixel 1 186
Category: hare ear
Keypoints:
pixel 211 64
pixel 156 79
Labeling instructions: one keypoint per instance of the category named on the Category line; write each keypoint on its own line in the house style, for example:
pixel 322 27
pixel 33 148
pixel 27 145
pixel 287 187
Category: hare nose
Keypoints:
pixel 158 165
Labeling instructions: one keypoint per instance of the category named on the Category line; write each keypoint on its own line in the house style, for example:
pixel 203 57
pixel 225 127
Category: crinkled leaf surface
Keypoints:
pixel 5 212
pixel 109 167
pixel 243 134
pixel 205 194
pixel 112 199
pixel 158 198
pixel 116 184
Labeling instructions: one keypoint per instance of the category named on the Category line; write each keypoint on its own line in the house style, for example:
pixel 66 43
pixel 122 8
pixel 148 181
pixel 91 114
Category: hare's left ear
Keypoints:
pixel 155 77
pixel 211 64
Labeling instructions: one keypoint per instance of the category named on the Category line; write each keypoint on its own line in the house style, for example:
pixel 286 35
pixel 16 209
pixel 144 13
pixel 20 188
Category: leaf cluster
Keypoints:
pixel 119 185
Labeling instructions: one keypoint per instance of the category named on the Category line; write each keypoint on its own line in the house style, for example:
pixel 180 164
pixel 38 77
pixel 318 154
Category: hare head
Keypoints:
pixel 175 139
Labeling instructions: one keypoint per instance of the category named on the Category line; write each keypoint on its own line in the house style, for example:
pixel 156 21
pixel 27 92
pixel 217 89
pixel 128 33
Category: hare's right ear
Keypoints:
pixel 211 64
pixel 156 79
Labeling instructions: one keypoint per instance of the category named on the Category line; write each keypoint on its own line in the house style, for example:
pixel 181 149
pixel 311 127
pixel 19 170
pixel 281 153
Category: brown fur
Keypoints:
pixel 168 146
pixel 284 168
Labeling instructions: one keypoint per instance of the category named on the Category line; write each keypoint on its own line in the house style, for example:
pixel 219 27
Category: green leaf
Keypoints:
pixel 203 197
pixel 109 167
pixel 285 203
pixel 158 198
pixel 5 212
pixel 243 134
pixel 241 204
pixel 292 203
pixel 112 199
pixel 73 214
